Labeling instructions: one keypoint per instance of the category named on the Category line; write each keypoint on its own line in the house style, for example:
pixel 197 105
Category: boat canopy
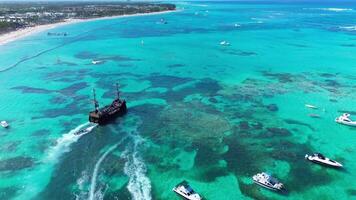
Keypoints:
pixel 320 156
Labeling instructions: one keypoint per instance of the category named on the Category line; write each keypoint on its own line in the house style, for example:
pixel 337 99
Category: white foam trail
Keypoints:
pixel 336 9
pixel 64 142
pixel 139 184
pixel 81 184
pixel 330 9
pixel 32 186
pixel 348 28
pixel 92 193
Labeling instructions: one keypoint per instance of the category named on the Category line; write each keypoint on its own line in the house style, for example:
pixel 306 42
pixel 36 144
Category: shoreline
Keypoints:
pixel 22 33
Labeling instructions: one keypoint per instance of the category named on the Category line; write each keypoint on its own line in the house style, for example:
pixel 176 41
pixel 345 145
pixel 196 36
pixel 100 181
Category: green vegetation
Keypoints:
pixel 19 15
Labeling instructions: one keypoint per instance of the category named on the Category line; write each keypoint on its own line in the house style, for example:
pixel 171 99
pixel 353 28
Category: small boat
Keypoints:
pixel 311 106
pixel 314 115
pixel 224 43
pixel 163 21
pixel 267 181
pixel 345 119
pixel 321 159
pixel 4 124
pixel 84 131
pixel 183 189
pixel 237 25
pixel 95 62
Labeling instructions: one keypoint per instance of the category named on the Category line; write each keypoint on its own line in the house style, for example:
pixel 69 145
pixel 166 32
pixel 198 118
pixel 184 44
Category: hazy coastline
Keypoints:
pixel 22 33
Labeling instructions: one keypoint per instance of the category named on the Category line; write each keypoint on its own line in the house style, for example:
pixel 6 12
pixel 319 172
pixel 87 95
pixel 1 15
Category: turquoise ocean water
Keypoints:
pixel 198 111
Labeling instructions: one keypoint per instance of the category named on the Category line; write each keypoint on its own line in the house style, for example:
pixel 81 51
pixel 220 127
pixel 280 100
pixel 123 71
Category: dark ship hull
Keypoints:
pixel 108 113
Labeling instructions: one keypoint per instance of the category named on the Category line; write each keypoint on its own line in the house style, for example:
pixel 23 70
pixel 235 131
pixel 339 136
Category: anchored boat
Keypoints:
pixel 345 119
pixel 96 62
pixel 311 106
pixel 4 124
pixel 107 113
pixel 322 160
pixel 224 43
pixel 267 181
pixel 183 189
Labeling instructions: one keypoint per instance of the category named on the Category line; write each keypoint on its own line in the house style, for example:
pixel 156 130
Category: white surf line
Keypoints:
pixel 96 169
pixel 139 184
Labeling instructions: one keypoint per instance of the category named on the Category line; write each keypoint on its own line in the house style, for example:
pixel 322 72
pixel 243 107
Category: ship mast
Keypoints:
pixel 117 91
pixel 96 104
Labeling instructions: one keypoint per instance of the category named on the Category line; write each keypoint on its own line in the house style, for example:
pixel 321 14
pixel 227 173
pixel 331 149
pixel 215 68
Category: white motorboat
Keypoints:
pixel 4 124
pixel 224 43
pixel 183 189
pixel 311 106
pixel 345 119
pixel 265 180
pixel 321 159
pixel 85 131
pixel 95 62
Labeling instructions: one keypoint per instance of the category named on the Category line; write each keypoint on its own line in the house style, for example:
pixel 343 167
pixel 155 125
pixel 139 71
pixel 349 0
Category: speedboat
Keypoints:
pixel 4 124
pixel 322 160
pixel 311 106
pixel 345 119
pixel 84 131
pixel 95 62
pixel 183 189
pixel 224 43
pixel 265 180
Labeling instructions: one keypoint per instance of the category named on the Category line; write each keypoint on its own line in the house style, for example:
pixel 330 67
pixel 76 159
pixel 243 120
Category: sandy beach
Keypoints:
pixel 21 33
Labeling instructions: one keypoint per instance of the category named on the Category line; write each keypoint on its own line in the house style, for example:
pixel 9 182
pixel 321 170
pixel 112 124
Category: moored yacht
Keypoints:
pixel 345 119
pixel 311 106
pixel 322 160
pixel 4 124
pixel 265 180
pixel 184 190
pixel 224 43
pixel 95 62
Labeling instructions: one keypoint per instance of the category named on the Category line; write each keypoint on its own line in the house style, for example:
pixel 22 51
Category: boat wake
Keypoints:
pixel 348 28
pixel 81 181
pixel 331 9
pixel 30 187
pixel 139 184
pixel 92 194
pixel 64 142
